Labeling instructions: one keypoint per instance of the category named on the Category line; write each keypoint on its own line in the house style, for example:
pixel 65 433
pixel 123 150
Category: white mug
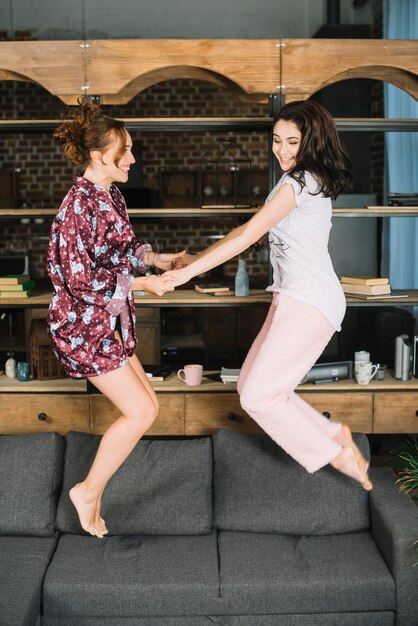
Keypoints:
pixel 364 372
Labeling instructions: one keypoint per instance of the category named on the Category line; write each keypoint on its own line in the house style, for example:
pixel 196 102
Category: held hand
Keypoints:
pixel 154 284
pixel 183 261
pixel 176 277
pixel 166 261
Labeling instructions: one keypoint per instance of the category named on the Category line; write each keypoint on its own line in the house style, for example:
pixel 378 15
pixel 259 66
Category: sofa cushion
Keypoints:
pixel 259 488
pixel 30 473
pixel 266 573
pixel 163 488
pixel 132 576
pixel 23 563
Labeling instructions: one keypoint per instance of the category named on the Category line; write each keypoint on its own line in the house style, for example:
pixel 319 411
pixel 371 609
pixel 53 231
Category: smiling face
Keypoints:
pixel 286 143
pixel 113 163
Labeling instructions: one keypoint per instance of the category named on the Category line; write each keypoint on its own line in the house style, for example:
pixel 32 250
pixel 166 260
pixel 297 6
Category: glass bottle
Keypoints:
pixel 242 287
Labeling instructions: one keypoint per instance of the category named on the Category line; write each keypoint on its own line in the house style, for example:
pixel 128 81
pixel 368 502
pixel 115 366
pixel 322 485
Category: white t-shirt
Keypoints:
pixel 302 267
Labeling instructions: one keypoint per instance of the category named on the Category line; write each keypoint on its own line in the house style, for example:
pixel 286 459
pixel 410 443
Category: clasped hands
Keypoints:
pixel 175 273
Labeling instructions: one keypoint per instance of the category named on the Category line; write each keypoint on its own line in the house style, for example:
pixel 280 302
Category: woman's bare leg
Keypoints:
pixel 126 391
pixel 136 364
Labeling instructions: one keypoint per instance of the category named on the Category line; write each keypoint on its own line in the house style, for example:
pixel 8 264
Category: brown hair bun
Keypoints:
pixel 85 128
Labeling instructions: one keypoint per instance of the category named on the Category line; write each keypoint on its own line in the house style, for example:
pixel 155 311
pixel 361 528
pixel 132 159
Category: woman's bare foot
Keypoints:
pixel 344 438
pixel 99 521
pixel 86 510
pixel 346 462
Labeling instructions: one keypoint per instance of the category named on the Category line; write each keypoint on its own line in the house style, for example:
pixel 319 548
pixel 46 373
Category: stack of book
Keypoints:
pixel 366 287
pixel 215 289
pixel 16 286
pixel 229 375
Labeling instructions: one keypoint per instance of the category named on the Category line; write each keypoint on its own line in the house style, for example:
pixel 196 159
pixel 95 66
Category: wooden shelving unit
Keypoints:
pixel 295 70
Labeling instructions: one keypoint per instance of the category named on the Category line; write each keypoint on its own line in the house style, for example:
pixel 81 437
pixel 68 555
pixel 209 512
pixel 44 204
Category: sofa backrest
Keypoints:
pixel 30 474
pixel 259 488
pixel 163 488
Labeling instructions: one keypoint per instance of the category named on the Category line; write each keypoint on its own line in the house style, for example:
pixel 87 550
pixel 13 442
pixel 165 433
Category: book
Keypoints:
pixel 17 287
pixel 229 375
pixel 366 290
pixel 364 280
pixel 231 292
pixel 157 373
pixel 211 288
pixel 15 294
pixel 14 279
pixel 388 296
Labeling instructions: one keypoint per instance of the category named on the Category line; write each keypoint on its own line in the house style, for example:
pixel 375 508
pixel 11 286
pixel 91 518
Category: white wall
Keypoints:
pixel 101 19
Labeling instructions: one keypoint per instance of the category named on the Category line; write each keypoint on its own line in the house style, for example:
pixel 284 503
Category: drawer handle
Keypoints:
pixel 42 417
pixel 233 417
pixel 327 414
pixel 416 413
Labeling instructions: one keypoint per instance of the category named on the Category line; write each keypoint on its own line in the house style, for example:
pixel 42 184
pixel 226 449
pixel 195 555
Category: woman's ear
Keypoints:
pixel 96 157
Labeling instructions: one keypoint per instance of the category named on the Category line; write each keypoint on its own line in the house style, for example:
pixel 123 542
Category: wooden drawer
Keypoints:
pixel 395 412
pixel 170 420
pixel 35 413
pixel 353 409
pixel 206 412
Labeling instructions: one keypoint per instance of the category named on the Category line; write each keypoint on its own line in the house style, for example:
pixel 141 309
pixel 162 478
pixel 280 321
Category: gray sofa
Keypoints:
pixel 224 530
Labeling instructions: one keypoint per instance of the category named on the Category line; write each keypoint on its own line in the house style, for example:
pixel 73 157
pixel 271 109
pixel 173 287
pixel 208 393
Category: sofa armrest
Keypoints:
pixel 394 526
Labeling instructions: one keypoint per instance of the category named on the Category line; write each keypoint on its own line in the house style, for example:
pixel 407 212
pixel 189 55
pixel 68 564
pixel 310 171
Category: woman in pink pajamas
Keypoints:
pixel 92 255
pixel 308 301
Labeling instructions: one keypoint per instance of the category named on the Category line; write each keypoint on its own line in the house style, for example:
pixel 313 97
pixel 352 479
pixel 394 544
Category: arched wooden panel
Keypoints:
pixel 308 65
pixel 58 66
pixel 141 83
pixel 118 69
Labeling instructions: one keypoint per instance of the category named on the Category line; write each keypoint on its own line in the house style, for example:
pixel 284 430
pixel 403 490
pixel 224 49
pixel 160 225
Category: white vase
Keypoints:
pixel 242 287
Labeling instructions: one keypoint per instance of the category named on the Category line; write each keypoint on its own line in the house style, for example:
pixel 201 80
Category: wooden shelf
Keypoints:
pixel 174 385
pixel 371 211
pixel 62 385
pixel 41 297
pixel 133 213
pixel 182 124
pixel 376 211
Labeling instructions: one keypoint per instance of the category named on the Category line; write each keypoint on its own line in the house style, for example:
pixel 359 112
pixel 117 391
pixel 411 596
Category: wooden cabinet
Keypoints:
pixel 353 409
pixel 39 413
pixel 395 412
pixel 170 420
pixel 206 412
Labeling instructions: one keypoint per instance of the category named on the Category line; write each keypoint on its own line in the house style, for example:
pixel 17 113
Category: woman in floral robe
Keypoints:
pixel 92 256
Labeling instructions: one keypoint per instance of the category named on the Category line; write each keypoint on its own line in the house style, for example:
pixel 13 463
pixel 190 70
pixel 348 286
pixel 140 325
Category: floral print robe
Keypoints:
pixel 92 253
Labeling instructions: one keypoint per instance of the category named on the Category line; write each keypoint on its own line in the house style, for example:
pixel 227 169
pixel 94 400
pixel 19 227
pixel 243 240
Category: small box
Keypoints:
pixel 44 363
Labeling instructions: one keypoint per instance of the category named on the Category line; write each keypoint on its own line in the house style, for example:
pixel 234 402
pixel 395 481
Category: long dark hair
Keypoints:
pixel 86 128
pixel 320 152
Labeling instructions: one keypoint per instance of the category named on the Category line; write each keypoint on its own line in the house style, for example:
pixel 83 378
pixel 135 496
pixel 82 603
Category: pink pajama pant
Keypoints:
pixel 292 338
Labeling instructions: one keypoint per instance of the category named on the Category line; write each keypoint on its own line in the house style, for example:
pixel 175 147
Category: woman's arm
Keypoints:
pixel 240 238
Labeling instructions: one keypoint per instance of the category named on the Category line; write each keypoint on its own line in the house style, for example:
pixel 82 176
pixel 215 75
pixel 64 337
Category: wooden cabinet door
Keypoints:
pixel 38 413
pixel 170 420
pixel 206 412
pixel 353 409
pixel 395 412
